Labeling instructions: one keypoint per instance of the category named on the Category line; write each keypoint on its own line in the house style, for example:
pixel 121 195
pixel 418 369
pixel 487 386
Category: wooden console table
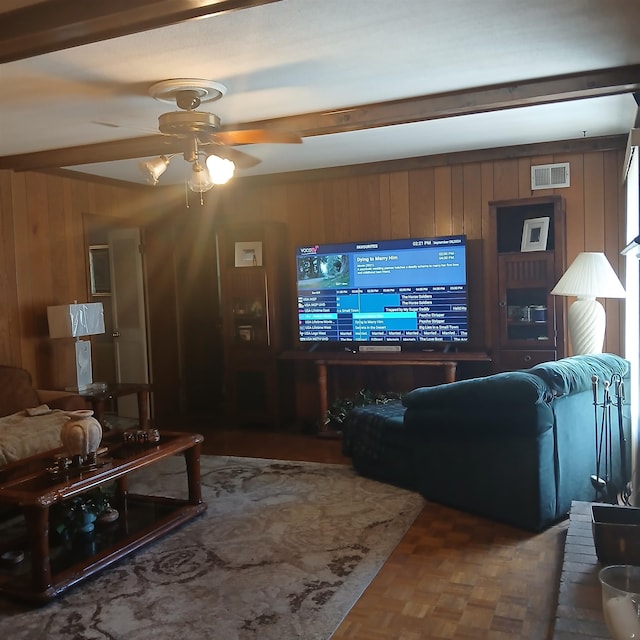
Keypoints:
pixel 325 359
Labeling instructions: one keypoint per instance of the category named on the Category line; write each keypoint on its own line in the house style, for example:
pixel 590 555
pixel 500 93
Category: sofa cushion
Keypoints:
pixel 574 374
pixel 16 390
pixel 501 389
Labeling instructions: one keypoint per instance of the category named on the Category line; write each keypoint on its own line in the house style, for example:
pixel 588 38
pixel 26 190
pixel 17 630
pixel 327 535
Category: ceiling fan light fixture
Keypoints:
pixel 200 180
pixel 220 169
pixel 154 168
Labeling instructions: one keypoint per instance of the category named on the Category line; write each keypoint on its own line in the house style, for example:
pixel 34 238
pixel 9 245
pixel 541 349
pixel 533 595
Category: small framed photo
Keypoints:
pixel 99 270
pixel 534 234
pixel 248 254
pixel 245 333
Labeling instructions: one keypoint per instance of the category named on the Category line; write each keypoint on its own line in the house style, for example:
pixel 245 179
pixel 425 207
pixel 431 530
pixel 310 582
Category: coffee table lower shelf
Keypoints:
pixel 143 520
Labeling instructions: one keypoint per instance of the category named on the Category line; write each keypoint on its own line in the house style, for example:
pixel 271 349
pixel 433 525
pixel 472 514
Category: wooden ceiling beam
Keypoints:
pixel 421 108
pixel 143 147
pixel 60 24
pixel 591 84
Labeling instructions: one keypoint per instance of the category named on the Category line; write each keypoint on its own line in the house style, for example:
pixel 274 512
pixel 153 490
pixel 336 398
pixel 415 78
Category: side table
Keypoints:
pixel 99 396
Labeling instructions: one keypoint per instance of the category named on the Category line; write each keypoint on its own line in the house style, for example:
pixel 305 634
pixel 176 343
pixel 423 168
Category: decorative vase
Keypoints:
pixel 81 435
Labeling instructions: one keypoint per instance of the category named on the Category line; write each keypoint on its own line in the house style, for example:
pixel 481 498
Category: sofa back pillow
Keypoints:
pixel 508 388
pixel 574 374
pixel 16 390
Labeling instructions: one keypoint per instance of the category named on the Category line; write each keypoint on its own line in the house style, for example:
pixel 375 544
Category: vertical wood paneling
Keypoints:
pixel 443 203
pixel 340 191
pixel 61 273
pixel 399 209
pixel 329 215
pixel 472 201
pixel 42 235
pixel 524 178
pixel 422 221
pixel 457 200
pixel 384 187
pixel 505 180
pixel 44 256
pixel 473 206
pixel 352 211
pixel 23 267
pixel 454 199
pixel 593 202
pixel 369 211
pixel 9 320
pixel 40 267
pixel 488 275
pixel 299 222
pixel 574 203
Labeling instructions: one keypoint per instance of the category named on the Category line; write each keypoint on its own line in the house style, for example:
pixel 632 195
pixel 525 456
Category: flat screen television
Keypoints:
pixel 389 292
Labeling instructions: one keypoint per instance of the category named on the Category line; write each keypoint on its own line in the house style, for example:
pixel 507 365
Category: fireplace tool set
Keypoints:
pixel 603 481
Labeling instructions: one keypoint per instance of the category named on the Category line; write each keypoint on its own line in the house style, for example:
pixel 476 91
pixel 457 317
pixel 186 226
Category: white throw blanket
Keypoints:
pixel 22 435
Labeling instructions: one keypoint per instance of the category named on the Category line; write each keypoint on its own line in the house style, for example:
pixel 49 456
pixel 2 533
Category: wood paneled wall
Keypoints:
pixel 43 256
pixel 43 221
pixel 446 199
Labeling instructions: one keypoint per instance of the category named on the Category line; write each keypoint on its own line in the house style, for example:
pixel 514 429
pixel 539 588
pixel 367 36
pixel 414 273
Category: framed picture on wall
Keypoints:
pixel 248 254
pixel 99 270
pixel 534 234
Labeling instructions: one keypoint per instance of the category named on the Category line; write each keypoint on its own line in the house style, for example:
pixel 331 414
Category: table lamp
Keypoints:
pixel 590 276
pixel 76 321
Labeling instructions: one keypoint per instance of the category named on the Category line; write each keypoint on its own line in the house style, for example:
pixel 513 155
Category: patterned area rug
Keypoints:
pixel 283 551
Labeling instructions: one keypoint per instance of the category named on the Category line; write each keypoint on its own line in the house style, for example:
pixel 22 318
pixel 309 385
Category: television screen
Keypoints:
pixel 403 292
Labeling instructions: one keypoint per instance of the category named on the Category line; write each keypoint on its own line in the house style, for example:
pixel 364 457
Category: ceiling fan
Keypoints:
pixel 197 135
pixel 201 135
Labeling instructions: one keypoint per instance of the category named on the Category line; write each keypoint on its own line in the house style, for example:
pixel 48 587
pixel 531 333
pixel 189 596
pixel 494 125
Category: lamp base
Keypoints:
pixel 587 322
pixel 72 364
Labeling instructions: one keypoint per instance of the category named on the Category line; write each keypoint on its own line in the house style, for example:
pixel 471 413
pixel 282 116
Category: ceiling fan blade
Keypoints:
pixel 241 159
pixel 92 153
pixel 255 136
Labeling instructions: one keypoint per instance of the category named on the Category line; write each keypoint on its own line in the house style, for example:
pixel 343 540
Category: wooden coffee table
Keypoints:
pixel 27 484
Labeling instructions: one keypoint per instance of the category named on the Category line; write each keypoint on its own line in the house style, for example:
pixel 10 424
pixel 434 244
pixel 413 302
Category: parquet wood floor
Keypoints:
pixel 454 575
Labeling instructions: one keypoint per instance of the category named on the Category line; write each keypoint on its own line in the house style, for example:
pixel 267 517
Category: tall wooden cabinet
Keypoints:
pixel 527 321
pixel 255 313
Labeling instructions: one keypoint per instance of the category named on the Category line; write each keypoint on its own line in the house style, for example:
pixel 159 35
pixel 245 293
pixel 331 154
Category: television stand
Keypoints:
pixel 324 360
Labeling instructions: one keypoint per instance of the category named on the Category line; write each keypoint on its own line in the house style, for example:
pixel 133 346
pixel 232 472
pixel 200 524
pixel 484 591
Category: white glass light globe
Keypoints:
pixel 220 169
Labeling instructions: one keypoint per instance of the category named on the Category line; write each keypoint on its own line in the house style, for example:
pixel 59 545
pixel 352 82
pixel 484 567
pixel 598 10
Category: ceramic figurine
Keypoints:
pixel 81 435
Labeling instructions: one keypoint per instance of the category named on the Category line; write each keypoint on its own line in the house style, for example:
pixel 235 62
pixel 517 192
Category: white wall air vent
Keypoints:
pixel 550 176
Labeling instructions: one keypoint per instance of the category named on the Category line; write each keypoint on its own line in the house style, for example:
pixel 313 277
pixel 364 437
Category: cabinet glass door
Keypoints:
pixel 527 317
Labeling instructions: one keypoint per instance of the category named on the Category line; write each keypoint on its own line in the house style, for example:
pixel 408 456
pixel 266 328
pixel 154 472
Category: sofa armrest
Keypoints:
pixel 64 400
pixel 574 374
pixel 509 389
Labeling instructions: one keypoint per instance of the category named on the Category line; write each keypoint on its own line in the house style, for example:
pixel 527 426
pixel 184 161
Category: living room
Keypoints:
pixel 48 216
pixel 435 200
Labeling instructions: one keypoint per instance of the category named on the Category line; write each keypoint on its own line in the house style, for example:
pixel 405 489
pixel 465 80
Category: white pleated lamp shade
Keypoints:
pixel 590 276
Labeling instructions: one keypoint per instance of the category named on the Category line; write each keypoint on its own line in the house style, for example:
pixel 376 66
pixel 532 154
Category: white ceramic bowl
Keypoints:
pixel 621 600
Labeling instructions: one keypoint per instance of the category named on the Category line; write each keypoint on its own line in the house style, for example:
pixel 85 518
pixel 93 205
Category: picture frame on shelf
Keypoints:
pixel 99 270
pixel 535 232
pixel 248 254
pixel 245 333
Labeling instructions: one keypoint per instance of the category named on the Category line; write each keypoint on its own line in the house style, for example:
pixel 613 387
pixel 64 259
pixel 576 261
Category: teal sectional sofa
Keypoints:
pixel 517 447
